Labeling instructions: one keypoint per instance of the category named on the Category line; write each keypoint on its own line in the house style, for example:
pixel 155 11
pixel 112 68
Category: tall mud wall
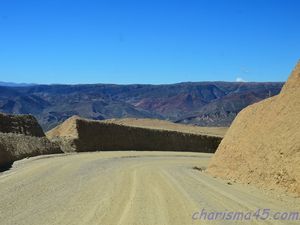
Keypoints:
pixel 99 136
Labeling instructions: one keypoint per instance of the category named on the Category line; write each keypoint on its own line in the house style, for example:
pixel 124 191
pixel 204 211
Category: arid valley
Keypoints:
pixel 145 171
pixel 129 112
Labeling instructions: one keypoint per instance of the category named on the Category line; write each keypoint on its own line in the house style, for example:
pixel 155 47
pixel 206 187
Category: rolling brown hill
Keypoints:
pixel 262 146
pixel 167 125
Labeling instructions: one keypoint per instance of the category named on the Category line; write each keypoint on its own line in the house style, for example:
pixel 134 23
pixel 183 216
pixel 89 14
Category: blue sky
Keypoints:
pixel 148 41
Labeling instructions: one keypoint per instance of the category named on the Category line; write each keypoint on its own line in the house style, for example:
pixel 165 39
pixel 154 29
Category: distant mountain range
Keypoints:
pixel 200 103
pixel 12 84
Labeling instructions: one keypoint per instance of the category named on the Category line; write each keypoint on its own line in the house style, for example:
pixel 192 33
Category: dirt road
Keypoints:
pixel 133 188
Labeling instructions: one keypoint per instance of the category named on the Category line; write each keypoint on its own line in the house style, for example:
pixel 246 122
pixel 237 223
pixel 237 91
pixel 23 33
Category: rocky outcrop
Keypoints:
pixel 20 124
pixel 18 146
pixel 262 146
pixel 20 137
pixel 77 134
